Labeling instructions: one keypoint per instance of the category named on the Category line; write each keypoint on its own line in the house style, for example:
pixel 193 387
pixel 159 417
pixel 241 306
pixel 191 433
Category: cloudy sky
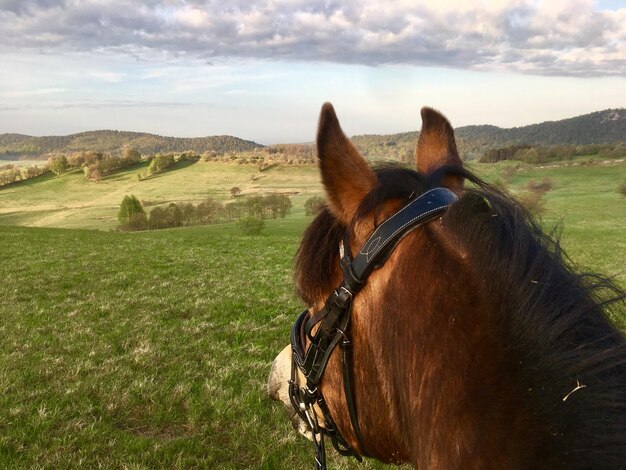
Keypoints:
pixel 260 69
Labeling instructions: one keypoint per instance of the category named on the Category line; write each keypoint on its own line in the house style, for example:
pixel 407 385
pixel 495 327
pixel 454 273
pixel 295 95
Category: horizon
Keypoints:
pixel 295 143
pixel 261 70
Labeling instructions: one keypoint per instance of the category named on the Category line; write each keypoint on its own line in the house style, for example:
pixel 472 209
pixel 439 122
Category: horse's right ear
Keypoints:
pixel 436 148
pixel 346 175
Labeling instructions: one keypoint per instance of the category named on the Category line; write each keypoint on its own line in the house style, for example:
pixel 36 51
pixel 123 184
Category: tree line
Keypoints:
pixel 536 154
pixel 132 215
pixel 97 165
pixel 161 162
pixel 11 173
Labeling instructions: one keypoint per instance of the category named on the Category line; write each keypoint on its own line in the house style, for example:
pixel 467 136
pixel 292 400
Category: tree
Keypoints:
pixel 130 205
pixel 160 162
pixel 250 225
pixel 255 206
pixel 131 155
pixel 58 164
pixel 137 221
pixel 284 205
pixel 272 203
pixel 158 217
pixel 209 211
pixel 174 216
pixel 314 205
pixel 188 211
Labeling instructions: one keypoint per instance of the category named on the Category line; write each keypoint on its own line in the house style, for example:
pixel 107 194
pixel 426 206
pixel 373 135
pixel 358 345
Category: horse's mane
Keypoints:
pixel 552 319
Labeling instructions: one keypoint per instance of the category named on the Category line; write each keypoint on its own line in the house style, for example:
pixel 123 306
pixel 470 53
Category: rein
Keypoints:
pixel 334 324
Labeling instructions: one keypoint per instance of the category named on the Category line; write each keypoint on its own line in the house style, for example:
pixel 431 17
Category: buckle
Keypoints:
pixel 343 296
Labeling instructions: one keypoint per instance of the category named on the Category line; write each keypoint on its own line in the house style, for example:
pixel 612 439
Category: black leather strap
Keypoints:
pixel 381 243
pixel 346 349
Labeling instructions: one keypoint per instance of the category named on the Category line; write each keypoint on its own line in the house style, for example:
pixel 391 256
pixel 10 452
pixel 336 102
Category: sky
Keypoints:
pixel 261 69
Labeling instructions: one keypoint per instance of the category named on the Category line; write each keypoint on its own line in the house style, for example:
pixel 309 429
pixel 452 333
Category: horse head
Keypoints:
pixel 431 320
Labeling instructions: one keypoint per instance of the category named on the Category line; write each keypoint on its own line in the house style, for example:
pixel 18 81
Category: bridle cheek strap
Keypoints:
pixel 333 322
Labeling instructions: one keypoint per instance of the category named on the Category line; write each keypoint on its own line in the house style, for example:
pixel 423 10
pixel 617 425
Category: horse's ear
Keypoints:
pixel 346 175
pixel 436 148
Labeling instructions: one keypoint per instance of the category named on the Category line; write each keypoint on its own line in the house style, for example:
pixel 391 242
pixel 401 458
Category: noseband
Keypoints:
pixel 334 322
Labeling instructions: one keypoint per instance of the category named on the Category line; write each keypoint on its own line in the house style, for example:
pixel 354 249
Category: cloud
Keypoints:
pixel 558 37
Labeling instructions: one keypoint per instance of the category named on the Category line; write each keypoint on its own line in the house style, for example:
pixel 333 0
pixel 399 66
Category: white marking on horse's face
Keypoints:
pixel 278 389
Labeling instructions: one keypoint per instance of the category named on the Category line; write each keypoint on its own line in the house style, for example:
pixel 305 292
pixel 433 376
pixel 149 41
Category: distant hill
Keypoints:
pixel 601 127
pixel 12 145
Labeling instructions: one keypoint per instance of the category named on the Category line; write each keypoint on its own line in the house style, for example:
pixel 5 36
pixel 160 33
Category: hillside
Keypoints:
pixel 18 145
pixel 601 127
pixel 72 201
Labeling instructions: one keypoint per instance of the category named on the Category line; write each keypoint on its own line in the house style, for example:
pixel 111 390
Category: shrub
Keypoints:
pixel 160 163
pixel 508 172
pixel 250 225
pixel 130 156
pixel 58 164
pixel 533 201
pixel 137 221
pixel 158 218
pixel 622 189
pixel 500 184
pixel 130 205
pixel 542 186
pixel 165 217
pixel 174 216
pixel 96 175
pixel 314 205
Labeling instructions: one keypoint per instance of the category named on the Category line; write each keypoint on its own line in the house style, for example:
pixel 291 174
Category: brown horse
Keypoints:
pixel 474 345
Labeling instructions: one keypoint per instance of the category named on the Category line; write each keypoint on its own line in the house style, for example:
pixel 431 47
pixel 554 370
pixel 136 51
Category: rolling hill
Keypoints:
pixel 18 145
pixel 601 127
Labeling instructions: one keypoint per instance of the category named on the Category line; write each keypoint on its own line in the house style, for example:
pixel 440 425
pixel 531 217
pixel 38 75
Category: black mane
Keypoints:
pixel 555 323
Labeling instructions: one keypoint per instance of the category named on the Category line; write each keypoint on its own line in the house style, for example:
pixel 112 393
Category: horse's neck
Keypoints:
pixel 444 394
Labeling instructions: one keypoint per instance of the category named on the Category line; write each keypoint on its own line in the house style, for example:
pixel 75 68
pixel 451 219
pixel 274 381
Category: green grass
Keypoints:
pixel 152 350
pixel 583 204
pixel 145 350
pixel 584 201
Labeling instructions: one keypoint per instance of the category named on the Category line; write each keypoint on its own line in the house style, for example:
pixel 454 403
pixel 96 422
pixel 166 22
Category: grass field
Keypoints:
pixel 584 201
pixel 146 350
pixel 152 350
pixel 72 201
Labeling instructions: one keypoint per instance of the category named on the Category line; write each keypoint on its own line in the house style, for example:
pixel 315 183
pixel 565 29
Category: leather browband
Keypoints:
pixel 381 243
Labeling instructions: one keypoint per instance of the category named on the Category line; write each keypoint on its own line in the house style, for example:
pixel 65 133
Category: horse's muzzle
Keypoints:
pixel 278 389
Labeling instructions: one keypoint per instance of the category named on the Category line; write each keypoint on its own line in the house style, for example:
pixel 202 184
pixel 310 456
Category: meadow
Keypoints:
pixel 72 201
pixel 152 349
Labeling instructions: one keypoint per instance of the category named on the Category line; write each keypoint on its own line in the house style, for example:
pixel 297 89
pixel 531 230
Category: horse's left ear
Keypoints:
pixel 436 148
pixel 346 175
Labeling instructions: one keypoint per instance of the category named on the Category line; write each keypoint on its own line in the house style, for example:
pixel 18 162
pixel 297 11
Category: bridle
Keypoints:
pixel 334 324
